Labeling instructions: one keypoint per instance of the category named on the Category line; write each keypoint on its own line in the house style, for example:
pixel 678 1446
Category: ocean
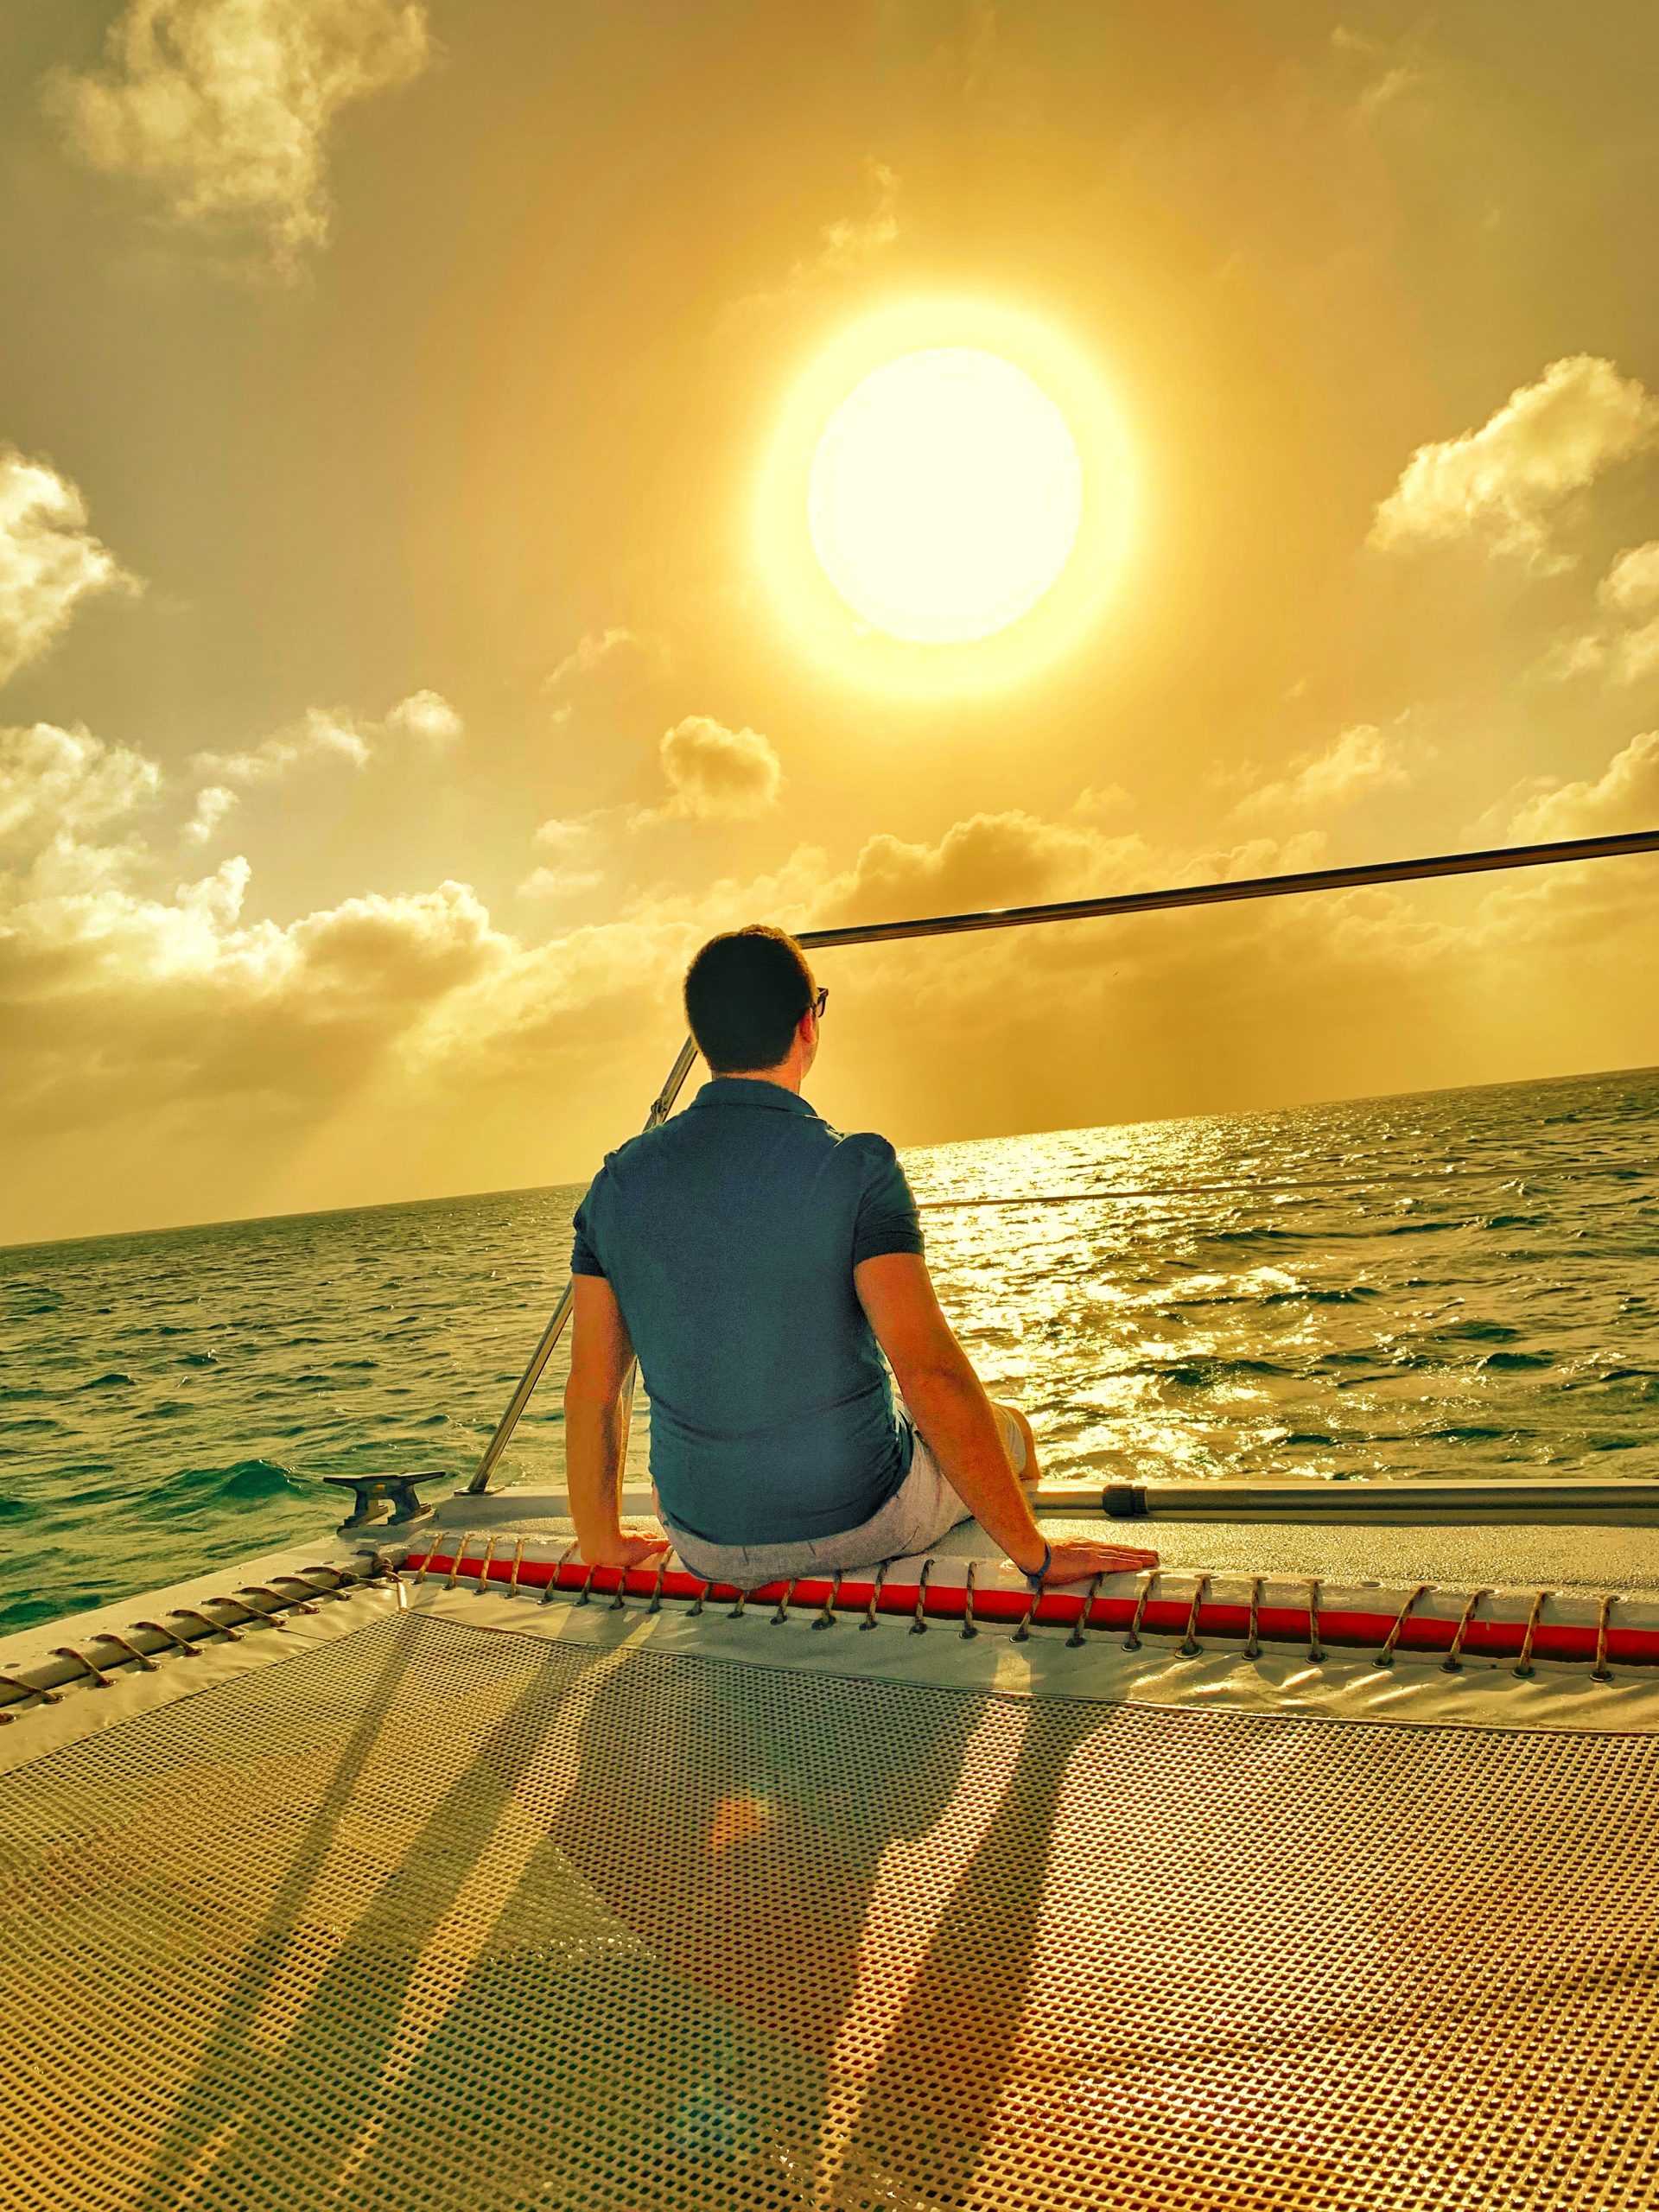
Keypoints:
pixel 1448 1285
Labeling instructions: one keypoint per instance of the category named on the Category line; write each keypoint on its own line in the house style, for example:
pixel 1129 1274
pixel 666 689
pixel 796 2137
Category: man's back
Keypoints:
pixel 729 1237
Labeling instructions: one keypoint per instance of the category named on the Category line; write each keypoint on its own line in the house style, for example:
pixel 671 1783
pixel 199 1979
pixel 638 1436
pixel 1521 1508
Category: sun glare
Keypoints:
pixel 945 495
pixel 944 499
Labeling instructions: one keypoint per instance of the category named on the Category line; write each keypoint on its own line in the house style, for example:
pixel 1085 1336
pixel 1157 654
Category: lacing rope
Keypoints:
pixel 287 1605
pixel 1601 1672
pixel 868 1620
pixel 1385 1656
pixel 157 1628
pixel 550 1589
pixel 517 1562
pixel 254 1612
pixel 619 1602
pixel 1022 1633
pixel 736 1613
pixel 1315 1649
pixel 656 1604
pixel 460 1554
pixel 702 1594
pixel 588 1582
pixel 969 1626
pixel 1074 1641
pixel 28 1689
pixel 1252 1640
pixel 1452 1662
pixel 484 1567
pixel 782 1611
pixel 1524 1665
pixel 100 1680
pixel 826 1614
pixel 1189 1646
pixel 109 1636
pixel 919 1624
pixel 213 1628
pixel 1131 1641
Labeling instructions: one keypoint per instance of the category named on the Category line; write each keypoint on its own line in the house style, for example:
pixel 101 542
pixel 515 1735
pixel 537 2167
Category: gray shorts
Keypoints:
pixel 919 1512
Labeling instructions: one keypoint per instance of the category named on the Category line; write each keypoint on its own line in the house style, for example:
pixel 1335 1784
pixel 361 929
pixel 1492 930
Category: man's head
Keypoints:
pixel 751 1001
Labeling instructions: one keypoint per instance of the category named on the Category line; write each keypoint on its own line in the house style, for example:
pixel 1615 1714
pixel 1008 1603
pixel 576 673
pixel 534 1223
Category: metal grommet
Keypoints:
pixel 1253 1636
pixel 100 1680
pixel 1601 1672
pixel 1454 1659
pixel 782 1612
pixel 826 1616
pixel 919 1624
pixel 1315 1648
pixel 1131 1641
pixel 1523 1664
pixel 656 1605
pixel 868 1620
pixel 969 1625
pixel 1074 1641
pixel 517 1562
pixel 1385 1656
pixel 1189 1646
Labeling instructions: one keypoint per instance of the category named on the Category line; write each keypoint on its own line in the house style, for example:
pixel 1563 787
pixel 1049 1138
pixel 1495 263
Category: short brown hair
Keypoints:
pixel 745 992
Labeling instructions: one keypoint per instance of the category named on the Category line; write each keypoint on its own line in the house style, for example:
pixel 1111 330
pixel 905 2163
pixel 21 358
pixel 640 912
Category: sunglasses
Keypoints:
pixel 821 1001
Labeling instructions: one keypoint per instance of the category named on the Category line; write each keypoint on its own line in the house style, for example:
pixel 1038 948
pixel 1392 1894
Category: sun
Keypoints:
pixel 945 495
pixel 943 500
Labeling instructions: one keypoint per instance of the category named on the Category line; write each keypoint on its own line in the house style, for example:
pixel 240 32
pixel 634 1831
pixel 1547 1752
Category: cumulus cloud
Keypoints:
pixel 716 774
pixel 1622 643
pixel 213 803
pixel 67 784
pixel 222 108
pixel 574 865
pixel 989 860
pixel 50 560
pixel 1626 796
pixel 331 735
pixel 1503 483
pixel 1356 762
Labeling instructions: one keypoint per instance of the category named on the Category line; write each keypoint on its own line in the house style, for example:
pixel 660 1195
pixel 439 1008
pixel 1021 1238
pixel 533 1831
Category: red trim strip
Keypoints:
pixel 1163 1616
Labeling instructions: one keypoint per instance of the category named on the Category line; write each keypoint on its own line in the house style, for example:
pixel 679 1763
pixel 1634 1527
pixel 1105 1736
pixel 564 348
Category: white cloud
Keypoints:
pixel 50 560
pixel 428 717
pixel 1503 483
pixel 1358 760
pixel 843 246
pixel 574 865
pixel 224 107
pixel 716 774
pixel 1622 644
pixel 67 784
pixel 1626 796
pixel 213 803
pixel 332 734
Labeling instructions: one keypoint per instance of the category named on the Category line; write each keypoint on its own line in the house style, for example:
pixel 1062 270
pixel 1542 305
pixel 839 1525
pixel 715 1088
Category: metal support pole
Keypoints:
pixel 661 1107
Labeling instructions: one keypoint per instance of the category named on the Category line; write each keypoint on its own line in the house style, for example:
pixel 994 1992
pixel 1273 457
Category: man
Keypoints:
pixel 754 1259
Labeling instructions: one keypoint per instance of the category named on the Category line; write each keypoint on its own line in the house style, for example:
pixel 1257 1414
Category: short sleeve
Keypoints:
pixel 888 1219
pixel 584 1258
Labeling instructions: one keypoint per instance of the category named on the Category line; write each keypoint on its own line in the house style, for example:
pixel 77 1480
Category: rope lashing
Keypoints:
pixel 1253 1637
pixel 175 1641
pixel 100 1680
pixel 1315 1648
pixel 1452 1662
pixel 1131 1641
pixel 1524 1665
pixel 782 1612
pixel 969 1626
pixel 868 1620
pixel 484 1567
pixel 1601 1672
pixel 460 1554
pixel 1074 1641
pixel 656 1604
pixel 826 1614
pixel 918 1624
pixel 517 1562
pixel 550 1590
pixel 213 1628
pixel 1190 1646
pixel 1385 1656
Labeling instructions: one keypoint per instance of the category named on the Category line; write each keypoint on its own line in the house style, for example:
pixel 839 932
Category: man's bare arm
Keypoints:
pixel 596 1430
pixel 956 1421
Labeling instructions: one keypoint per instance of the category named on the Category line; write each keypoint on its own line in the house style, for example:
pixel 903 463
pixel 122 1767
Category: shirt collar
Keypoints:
pixel 752 1090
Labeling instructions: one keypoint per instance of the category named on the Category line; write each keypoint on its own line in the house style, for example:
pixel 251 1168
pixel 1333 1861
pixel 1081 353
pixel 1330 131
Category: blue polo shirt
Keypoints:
pixel 729 1237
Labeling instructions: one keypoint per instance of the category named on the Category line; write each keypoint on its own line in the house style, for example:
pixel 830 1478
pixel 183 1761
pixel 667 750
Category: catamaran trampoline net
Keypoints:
pixel 440 1916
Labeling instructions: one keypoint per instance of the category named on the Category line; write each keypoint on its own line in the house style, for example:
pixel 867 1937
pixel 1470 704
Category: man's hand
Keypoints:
pixel 627 1547
pixel 1083 1559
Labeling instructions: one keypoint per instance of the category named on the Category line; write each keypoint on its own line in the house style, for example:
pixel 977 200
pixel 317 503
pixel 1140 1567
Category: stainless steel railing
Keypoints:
pixel 1080 909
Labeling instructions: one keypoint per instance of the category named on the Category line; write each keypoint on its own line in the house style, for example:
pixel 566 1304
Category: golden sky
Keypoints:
pixel 396 685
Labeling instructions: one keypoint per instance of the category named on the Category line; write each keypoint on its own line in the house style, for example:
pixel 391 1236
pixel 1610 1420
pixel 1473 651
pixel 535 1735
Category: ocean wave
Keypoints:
pixel 241 1481
pixel 1517 1363
pixel 115 1380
